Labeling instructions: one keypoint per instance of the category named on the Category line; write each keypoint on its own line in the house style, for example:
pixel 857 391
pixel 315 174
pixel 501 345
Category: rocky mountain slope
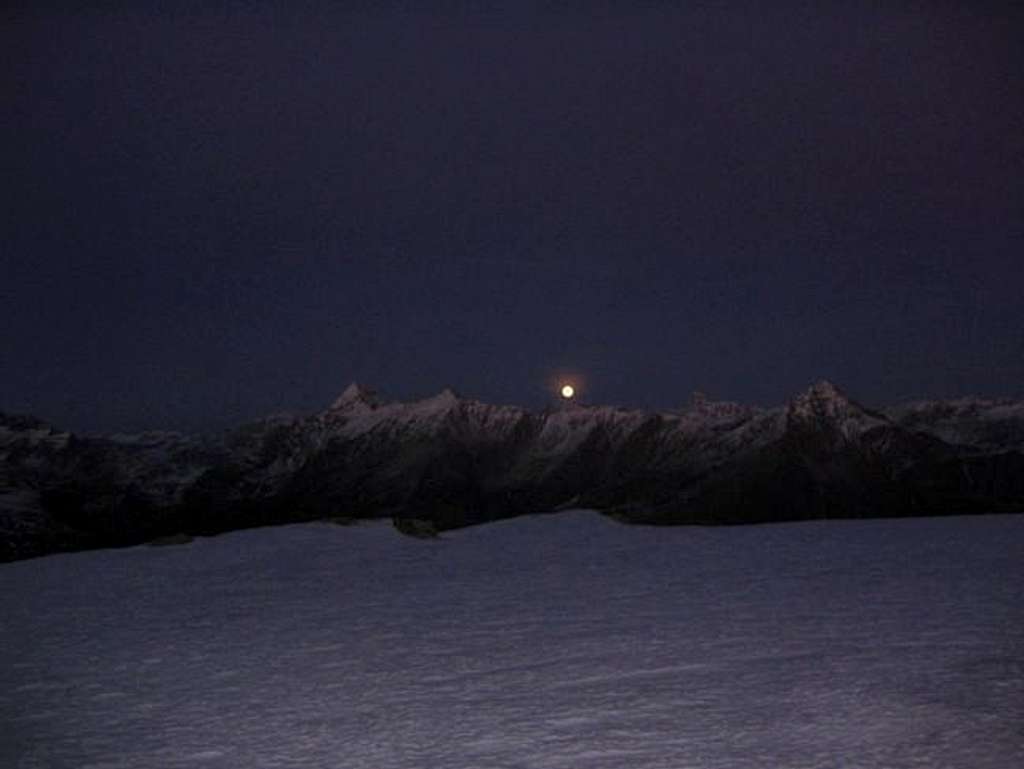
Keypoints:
pixel 446 462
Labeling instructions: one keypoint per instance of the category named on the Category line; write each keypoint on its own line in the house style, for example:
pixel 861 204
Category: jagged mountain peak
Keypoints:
pixel 823 403
pixel 822 398
pixel 702 406
pixel 355 394
pixel 447 395
pixel 443 401
pixel 824 389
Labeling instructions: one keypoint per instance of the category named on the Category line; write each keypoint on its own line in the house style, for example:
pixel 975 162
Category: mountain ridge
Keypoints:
pixel 449 461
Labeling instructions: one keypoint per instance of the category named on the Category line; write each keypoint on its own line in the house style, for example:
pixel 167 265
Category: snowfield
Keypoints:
pixel 563 641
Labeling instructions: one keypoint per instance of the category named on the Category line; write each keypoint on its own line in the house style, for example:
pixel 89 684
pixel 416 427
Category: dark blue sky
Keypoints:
pixel 213 211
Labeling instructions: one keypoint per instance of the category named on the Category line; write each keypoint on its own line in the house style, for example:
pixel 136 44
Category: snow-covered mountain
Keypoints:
pixel 448 461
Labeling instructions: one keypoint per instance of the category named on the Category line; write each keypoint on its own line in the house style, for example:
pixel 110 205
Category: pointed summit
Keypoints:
pixel 823 389
pixel 445 399
pixel 356 394
pixel 436 405
pixel 825 404
pixel 447 395
pixel 822 399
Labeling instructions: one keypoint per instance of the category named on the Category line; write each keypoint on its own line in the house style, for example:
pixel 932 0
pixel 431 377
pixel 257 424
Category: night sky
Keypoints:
pixel 215 211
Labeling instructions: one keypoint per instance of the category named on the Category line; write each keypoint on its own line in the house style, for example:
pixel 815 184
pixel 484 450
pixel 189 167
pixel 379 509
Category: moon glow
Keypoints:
pixel 568 391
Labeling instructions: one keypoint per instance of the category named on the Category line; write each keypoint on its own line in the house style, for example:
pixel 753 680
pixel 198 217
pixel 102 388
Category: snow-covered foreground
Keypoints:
pixel 558 641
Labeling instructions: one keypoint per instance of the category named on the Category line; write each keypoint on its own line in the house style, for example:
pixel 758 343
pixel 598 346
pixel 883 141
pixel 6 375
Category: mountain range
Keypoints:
pixel 446 462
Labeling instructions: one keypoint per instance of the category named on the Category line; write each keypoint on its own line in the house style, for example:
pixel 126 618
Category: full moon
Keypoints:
pixel 568 391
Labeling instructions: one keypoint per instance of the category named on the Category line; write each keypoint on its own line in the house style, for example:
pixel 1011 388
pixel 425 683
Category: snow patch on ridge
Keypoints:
pixel 991 424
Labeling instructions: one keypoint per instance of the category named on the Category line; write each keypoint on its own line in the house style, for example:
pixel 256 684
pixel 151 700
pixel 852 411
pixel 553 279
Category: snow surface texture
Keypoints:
pixel 559 641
